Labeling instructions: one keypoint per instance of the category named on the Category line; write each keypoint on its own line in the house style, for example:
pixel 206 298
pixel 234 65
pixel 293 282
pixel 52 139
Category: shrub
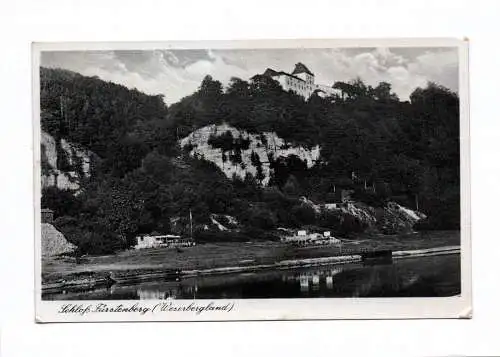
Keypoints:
pixel 441 214
pixel 370 198
pixel 304 214
pixel 88 236
pixel 350 225
pixel 330 219
pixel 443 221
pixel 62 202
pixel 261 217
pixel 223 141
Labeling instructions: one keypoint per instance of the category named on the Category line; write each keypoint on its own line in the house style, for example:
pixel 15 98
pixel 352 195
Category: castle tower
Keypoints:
pixel 304 73
pixel 300 81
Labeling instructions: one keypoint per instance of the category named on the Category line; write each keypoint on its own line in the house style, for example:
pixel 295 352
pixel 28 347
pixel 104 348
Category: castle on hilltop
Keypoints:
pixel 300 81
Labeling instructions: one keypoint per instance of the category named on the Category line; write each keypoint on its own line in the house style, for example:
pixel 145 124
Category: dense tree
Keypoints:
pixel 260 217
pixel 303 214
pixel 118 124
pixel 382 92
pixel 62 202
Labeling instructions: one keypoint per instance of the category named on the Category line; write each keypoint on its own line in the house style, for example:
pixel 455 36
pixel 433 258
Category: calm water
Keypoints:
pixel 415 277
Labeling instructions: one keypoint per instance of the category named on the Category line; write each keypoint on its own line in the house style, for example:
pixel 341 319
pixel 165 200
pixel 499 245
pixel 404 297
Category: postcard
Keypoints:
pixel 252 180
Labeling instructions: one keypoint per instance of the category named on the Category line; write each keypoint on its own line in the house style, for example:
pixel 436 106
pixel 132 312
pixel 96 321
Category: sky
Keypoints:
pixel 177 73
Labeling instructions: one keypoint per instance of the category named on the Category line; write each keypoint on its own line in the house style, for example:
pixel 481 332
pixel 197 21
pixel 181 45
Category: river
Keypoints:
pixel 433 276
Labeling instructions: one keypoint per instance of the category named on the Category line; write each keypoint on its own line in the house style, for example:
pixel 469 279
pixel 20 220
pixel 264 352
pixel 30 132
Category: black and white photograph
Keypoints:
pixel 237 172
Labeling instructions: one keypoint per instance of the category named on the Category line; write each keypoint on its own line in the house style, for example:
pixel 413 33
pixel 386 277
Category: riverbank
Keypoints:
pixel 343 259
pixel 65 273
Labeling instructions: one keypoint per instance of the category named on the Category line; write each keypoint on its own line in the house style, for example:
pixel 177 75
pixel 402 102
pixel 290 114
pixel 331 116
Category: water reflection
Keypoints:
pixel 304 283
pixel 429 276
pixel 329 282
pixel 153 295
pixel 158 291
pixel 317 279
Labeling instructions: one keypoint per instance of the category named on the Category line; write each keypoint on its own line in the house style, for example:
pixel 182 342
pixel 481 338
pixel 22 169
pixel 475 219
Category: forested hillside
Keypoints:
pixel 382 148
pixel 118 124
pixel 404 150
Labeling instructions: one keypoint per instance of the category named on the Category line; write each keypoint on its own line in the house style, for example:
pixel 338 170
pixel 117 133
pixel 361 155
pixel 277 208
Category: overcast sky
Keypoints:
pixel 177 73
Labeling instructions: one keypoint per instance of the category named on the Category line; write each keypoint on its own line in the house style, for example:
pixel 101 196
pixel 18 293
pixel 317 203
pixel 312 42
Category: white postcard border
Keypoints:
pixel 262 309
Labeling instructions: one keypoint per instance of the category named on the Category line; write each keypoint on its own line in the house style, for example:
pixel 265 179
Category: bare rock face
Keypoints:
pixel 390 219
pixel 397 218
pixel 217 222
pixel 264 146
pixel 54 242
pixel 64 164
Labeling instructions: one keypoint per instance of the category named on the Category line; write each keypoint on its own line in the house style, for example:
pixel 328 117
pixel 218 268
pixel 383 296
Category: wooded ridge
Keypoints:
pixel 383 149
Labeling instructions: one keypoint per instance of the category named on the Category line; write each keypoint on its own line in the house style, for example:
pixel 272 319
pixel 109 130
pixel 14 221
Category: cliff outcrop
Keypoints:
pixel 245 153
pixel 63 164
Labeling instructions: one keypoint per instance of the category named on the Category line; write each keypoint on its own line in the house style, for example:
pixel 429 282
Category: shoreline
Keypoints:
pixel 89 283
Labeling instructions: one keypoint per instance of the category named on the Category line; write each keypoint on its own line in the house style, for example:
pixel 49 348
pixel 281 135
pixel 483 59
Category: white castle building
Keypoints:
pixel 300 81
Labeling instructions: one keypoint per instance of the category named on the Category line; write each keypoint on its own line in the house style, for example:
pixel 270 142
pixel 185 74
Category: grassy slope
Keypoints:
pixel 214 255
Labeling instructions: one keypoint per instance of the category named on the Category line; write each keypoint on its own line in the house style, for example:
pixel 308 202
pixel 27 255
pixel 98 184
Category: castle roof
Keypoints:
pixel 301 68
pixel 272 73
